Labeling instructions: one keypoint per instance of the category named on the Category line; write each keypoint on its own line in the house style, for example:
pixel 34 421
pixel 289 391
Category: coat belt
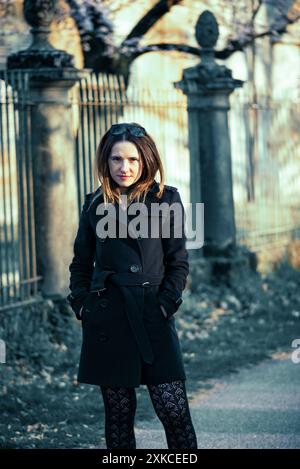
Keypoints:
pixel 133 308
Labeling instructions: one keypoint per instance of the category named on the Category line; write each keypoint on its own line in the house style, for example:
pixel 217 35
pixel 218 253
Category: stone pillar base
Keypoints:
pixel 221 268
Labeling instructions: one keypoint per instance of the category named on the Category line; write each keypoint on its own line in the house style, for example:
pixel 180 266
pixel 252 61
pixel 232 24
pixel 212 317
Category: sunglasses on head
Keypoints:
pixel 135 130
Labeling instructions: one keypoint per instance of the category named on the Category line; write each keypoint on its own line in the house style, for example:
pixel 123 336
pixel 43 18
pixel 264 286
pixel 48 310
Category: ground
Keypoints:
pixel 256 408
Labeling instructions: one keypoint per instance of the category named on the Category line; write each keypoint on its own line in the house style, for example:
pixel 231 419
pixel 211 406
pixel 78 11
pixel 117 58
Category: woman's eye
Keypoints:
pixel 117 158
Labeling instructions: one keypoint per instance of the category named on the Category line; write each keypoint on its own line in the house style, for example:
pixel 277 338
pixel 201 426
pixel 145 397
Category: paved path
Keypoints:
pixel 258 407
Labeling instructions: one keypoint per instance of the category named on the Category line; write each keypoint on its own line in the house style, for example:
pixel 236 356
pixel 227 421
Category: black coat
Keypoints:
pixel 121 283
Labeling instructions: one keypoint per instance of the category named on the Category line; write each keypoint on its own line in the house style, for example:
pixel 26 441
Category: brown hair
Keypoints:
pixel 151 163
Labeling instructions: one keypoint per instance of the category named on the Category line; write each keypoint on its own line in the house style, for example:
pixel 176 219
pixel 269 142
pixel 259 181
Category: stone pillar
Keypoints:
pixel 51 75
pixel 208 87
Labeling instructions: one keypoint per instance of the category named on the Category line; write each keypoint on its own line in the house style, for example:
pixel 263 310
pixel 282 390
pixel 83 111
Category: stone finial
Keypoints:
pixel 207 30
pixel 39 13
pixel 208 76
pixel 40 54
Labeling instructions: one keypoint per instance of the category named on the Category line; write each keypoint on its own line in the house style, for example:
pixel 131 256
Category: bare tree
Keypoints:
pixel 96 31
pixel 100 52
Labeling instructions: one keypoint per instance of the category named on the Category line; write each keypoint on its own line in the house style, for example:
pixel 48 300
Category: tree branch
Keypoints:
pixel 256 10
pixel 134 52
pixel 239 44
pixel 93 24
pixel 150 18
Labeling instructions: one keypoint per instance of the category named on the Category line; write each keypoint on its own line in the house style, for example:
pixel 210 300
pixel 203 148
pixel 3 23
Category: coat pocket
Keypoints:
pixel 158 308
pixel 170 302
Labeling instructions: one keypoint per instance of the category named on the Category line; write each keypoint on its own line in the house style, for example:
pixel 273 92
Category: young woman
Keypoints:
pixel 126 287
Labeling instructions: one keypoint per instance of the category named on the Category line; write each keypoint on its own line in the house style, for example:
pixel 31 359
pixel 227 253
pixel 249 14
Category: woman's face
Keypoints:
pixel 125 160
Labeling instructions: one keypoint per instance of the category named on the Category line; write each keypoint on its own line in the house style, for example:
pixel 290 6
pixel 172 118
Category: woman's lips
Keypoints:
pixel 123 177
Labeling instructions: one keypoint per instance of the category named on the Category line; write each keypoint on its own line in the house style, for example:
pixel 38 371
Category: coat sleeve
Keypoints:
pixel 82 265
pixel 175 260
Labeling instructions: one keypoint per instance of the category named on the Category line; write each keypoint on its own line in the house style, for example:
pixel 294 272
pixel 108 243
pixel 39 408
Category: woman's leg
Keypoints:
pixel 171 406
pixel 120 407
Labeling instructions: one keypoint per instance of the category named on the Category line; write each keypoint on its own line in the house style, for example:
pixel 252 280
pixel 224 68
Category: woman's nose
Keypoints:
pixel 124 166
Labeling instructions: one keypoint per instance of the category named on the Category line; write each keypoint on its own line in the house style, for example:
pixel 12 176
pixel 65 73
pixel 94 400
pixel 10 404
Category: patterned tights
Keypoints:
pixel 170 404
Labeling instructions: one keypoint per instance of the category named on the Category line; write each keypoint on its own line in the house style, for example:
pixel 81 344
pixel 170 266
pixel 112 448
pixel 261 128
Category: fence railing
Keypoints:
pixel 19 280
pixel 265 142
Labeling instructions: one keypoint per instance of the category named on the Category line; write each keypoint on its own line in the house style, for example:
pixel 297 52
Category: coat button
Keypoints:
pixel 103 337
pixel 102 240
pixel 103 302
pixel 134 268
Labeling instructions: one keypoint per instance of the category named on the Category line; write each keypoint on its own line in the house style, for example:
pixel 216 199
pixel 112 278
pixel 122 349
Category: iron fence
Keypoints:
pixel 265 143
pixel 18 280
